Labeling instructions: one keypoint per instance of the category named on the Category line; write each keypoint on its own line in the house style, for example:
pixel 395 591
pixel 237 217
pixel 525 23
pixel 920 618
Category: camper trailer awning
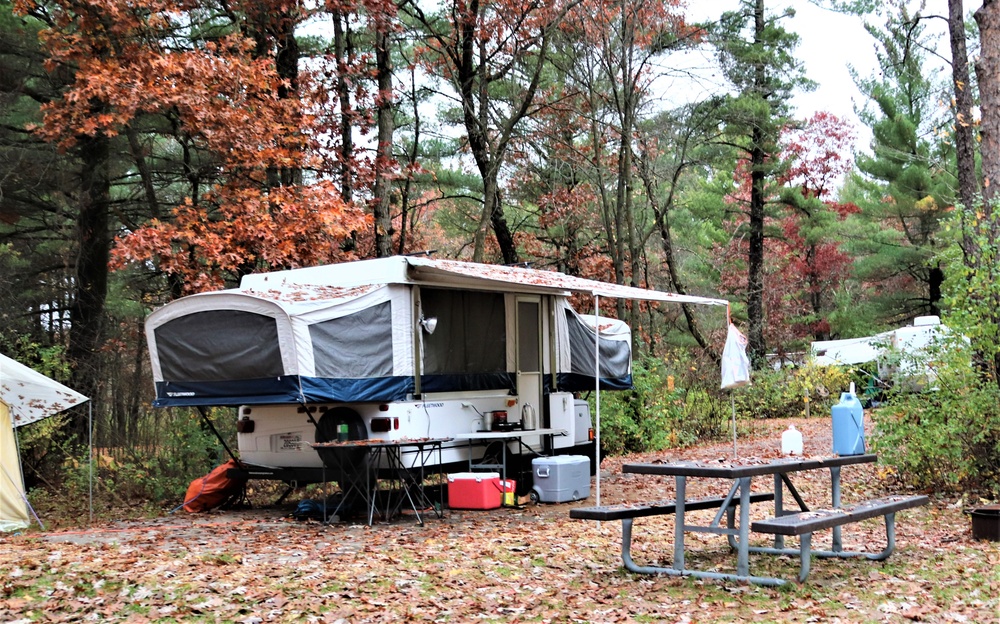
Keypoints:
pixel 457 274
pixel 468 273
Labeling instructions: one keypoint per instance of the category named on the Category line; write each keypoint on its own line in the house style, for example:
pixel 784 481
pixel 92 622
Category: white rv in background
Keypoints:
pixel 902 355
pixel 399 348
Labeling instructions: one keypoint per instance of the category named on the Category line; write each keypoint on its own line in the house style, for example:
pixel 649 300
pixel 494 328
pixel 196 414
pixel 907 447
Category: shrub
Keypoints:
pixel 131 480
pixel 946 438
pixel 640 419
pixel 781 393
pixel 653 417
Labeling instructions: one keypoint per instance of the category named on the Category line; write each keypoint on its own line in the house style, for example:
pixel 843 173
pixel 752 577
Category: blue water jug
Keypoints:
pixel 848 425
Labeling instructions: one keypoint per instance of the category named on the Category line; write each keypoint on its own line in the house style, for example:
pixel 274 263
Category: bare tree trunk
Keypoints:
pixel 661 214
pixel 404 198
pixel 678 286
pixel 343 49
pixel 988 73
pixel 287 63
pixel 623 203
pixel 964 140
pixel 505 238
pixel 475 104
pixel 91 288
pixel 385 107
pixel 755 257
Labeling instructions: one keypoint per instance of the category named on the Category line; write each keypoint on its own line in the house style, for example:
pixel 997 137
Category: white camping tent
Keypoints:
pixel 26 396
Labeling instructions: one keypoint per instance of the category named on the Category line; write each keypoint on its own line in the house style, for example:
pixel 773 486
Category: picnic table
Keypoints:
pixel 801 522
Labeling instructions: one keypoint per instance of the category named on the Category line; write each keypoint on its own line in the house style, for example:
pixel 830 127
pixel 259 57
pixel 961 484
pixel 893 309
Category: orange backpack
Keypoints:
pixel 213 489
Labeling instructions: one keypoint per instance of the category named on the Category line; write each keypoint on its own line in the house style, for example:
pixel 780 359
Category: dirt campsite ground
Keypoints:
pixel 526 564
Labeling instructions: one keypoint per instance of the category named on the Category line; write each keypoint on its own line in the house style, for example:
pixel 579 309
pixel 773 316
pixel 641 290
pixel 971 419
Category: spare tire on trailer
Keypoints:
pixel 351 460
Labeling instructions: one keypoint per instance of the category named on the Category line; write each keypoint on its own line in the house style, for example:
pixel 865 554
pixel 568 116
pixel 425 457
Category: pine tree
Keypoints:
pixel 756 55
pixel 904 187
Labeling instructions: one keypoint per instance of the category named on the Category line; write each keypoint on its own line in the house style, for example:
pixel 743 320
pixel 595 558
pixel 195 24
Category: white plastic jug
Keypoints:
pixel 791 441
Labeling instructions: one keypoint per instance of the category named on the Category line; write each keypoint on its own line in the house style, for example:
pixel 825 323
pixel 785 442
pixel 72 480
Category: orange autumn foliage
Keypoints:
pixel 248 137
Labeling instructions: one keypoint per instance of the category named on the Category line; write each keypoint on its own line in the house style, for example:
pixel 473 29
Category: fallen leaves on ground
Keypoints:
pixel 530 564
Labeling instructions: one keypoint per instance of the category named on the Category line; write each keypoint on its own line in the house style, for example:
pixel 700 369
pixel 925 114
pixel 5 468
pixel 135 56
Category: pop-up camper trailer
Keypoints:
pixel 395 348
pixel 902 355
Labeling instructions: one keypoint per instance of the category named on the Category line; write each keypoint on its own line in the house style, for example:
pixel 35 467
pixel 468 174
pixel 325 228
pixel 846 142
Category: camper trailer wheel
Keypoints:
pixel 327 428
pixel 328 425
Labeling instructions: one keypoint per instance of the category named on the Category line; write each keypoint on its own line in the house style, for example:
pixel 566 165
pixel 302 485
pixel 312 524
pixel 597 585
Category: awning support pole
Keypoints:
pixel 90 476
pixel 597 392
pixel 204 414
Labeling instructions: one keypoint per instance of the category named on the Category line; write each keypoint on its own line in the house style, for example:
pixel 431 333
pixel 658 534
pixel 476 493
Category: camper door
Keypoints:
pixel 528 350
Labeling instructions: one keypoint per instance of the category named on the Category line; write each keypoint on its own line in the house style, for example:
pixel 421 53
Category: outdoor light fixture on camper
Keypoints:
pixel 429 324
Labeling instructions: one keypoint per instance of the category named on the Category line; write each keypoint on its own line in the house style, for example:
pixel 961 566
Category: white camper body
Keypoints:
pixel 282 435
pixel 902 354
pixel 397 348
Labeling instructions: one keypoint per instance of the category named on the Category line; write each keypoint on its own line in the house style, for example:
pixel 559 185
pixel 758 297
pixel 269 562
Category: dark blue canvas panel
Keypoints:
pixel 320 390
pixel 285 390
pixel 232 392
pixel 573 382
pixel 461 383
pixel 282 390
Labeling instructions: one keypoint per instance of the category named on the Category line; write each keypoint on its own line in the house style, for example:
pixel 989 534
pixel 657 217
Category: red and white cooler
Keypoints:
pixel 474 490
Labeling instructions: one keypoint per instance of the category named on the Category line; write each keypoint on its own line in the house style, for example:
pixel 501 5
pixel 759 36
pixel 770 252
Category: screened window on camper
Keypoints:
pixel 356 346
pixel 471 332
pixel 219 345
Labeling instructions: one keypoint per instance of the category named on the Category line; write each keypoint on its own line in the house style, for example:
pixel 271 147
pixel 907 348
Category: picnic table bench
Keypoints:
pixel 805 523
pixel 627 512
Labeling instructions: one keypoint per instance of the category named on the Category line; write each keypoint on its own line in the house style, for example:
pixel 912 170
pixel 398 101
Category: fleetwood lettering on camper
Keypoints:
pixel 395 349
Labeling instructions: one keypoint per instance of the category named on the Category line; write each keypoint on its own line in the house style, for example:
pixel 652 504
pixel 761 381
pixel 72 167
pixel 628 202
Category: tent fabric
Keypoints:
pixel 26 396
pixel 614 338
pixel 13 511
pixel 471 334
pixel 31 395
pixel 276 345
